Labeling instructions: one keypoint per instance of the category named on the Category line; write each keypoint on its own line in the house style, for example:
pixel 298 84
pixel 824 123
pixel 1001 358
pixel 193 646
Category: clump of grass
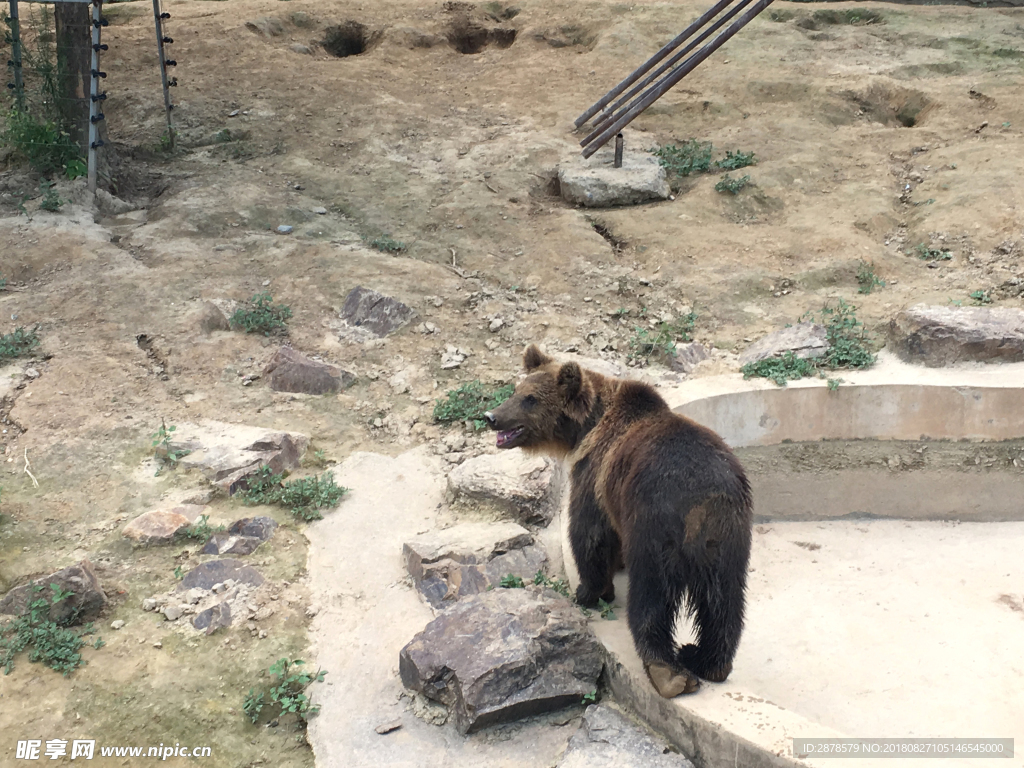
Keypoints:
pixel 731 185
pixel 3 282
pixel 46 641
pixel 867 280
pixel 201 530
pixel 19 343
pixel 387 244
pixel 854 16
pixel 688 158
pixel 781 369
pixel 980 297
pixel 660 341
pixel 287 693
pixel 561 586
pixel 511 582
pixel 43 143
pixel 304 497
pixel 733 161
pixel 931 254
pixel 262 316
pixel 50 202
pixel 469 402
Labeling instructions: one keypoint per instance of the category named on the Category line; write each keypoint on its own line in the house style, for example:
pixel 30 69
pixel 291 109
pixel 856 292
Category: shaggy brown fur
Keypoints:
pixel 653 488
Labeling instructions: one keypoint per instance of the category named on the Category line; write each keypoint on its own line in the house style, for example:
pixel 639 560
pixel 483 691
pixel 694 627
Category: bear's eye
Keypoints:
pixel 529 401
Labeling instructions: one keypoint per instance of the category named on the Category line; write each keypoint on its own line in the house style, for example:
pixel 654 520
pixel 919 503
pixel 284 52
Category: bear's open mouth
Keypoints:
pixel 507 436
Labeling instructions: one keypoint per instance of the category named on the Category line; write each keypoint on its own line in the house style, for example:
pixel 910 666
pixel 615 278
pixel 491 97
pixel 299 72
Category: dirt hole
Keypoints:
pixel 892 105
pixel 349 38
pixel 469 37
pixel 618 244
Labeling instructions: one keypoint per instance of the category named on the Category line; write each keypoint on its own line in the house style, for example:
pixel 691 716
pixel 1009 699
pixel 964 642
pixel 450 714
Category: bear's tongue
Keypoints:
pixel 508 435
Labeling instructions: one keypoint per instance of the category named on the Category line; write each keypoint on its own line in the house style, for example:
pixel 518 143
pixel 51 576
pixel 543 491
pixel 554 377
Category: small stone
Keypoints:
pixel 320 211
pixel 213 618
pixel 264 613
pixel 149 604
pixel 158 644
pixel 305 50
pixel 388 727
pixel 218 588
pixel 374 312
pixel 160 526
pixel 173 612
pixel 285 229
pixel 211 319
pixel 32 373
pixel 117 624
pixel 495 325
pixel 195 595
pixel 263 634
pixel 311 612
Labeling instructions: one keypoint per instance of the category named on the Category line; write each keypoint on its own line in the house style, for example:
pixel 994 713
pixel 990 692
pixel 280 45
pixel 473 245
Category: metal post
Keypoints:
pixel 618 150
pixel 94 92
pixel 158 18
pixel 594 143
pixel 19 86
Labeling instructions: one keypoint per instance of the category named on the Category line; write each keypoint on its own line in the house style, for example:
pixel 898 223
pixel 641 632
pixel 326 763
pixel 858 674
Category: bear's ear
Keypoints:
pixel 570 381
pixel 533 358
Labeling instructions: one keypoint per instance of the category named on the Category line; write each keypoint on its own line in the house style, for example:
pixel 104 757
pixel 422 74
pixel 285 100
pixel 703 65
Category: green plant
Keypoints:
pixel 561 586
pixel 201 530
pixel 786 367
pixel 931 254
pixel 833 384
pixel 3 283
pixel 304 497
pixel 731 185
pixel 19 343
pixel 867 280
pixel 590 698
pixel 511 582
pixel 316 458
pixel 50 202
pixel 661 340
pixel 287 692
pixel 847 338
pixel 691 157
pixel 387 244
pixel 980 297
pixel 165 455
pixel 179 572
pixel 53 644
pixel 733 161
pixel 469 402
pixel 605 609
pixel 262 315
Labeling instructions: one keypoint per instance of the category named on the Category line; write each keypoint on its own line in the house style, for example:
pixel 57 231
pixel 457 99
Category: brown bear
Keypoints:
pixel 650 489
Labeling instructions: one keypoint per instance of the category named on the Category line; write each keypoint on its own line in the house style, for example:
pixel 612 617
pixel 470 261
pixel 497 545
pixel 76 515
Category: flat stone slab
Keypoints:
pixel 207 574
pixel 525 487
pixel 607 738
pixel 504 655
pixel 375 312
pixel 82 606
pixel 229 544
pixel 470 558
pixel 292 371
pixel 596 183
pixel 937 336
pixel 159 526
pixel 261 527
pixel 213 618
pixel 805 340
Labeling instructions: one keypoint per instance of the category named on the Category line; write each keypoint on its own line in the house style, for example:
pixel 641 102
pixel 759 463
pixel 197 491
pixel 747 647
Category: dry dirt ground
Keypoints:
pixel 454 155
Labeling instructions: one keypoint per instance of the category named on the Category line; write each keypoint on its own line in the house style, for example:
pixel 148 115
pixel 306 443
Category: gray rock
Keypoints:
pixel 228 544
pixel 268 26
pixel 215 571
pixel 937 336
pixel 291 371
pixel 687 356
pixel 285 229
pixel 159 526
pixel 261 527
pixel 213 618
pixel 211 319
pixel 523 486
pixel 806 340
pixel 595 183
pixel 609 739
pixel 173 612
pixel 503 655
pixel 470 558
pixel 375 312
pixel 84 605
pixel 117 624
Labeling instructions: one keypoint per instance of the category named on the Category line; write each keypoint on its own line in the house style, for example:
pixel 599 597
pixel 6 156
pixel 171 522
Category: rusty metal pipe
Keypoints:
pixel 610 114
pixel 651 62
pixel 658 90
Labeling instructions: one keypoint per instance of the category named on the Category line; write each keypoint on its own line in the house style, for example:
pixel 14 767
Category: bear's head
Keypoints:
pixel 551 409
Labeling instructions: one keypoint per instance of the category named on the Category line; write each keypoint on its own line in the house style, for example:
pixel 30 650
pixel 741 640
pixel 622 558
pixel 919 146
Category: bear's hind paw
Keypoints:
pixel 671 682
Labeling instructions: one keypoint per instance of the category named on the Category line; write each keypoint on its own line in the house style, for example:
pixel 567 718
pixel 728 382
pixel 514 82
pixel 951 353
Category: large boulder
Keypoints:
pixel 525 487
pixel 375 312
pixel 806 340
pixel 609 739
pixel 291 371
pixel 503 655
pixel 938 336
pixel 598 184
pixel 470 558
pixel 84 605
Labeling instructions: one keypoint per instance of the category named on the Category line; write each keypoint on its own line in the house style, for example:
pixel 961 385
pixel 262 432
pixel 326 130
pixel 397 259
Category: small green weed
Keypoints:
pixel 590 698
pixel 561 586
pixel 683 160
pixel 19 343
pixel 162 448
pixel 931 254
pixel 469 402
pixel 387 244
pixel 661 340
pixel 304 497
pixel 3 283
pixel 511 582
pixel 50 202
pixel 979 297
pixel 787 367
pixel 731 185
pixel 54 645
pixel 262 316
pixel 287 693
pixel 605 608
pixel 179 572
pixel 833 384
pixel 733 161
pixel 201 530
pixel 316 458
pixel 867 280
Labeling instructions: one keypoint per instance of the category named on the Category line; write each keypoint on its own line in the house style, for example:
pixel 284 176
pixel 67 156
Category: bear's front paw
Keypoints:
pixel 671 682
pixel 587 598
pixel 690 658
